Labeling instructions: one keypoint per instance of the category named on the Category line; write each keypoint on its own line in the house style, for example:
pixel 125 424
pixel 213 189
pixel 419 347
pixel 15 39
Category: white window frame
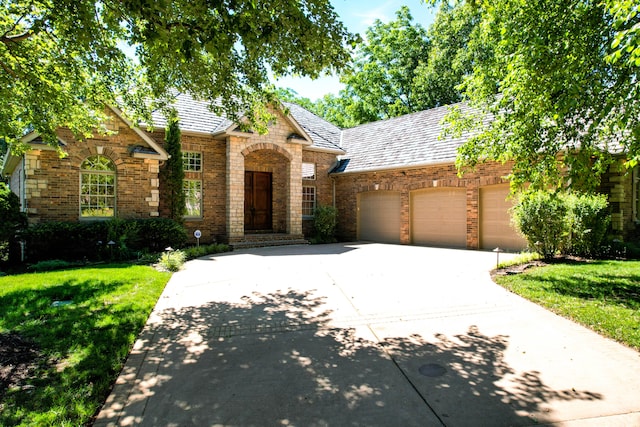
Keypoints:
pixel 186 188
pixel 309 190
pixel 305 167
pixel 192 161
pixel 99 174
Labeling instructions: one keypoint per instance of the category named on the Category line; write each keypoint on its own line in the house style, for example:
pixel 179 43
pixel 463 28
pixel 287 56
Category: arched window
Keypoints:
pixel 97 187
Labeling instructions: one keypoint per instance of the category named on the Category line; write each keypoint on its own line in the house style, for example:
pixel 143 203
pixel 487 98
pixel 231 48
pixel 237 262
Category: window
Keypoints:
pixel 308 201
pixel 192 197
pixel 97 187
pixel 191 161
pixel 309 171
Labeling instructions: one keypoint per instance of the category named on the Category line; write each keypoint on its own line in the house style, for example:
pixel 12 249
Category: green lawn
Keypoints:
pixel 602 295
pixel 82 341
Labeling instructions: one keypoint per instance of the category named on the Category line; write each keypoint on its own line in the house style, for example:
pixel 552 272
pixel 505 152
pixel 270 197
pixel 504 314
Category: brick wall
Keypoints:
pixel 349 185
pixel 323 182
pixel 212 224
pixel 53 184
pixel 618 185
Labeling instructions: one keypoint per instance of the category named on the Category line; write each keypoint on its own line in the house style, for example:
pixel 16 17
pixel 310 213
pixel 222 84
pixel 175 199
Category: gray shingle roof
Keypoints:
pixel 322 133
pixel 408 140
pixel 195 116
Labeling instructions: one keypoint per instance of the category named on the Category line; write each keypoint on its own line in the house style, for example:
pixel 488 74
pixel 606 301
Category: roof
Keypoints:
pixel 323 134
pixel 409 140
pixel 196 116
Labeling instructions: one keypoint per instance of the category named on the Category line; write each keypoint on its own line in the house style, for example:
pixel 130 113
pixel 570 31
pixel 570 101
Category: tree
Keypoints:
pixel 557 99
pixel 13 221
pixel 61 60
pixel 401 68
pixel 173 172
pixel 449 58
pixel 380 81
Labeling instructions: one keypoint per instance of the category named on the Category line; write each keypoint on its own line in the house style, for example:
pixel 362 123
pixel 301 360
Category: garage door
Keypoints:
pixel 379 216
pixel 439 217
pixel 495 220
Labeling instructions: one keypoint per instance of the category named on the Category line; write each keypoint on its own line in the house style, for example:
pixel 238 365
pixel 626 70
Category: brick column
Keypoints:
pixel 294 210
pixel 235 189
pixel 617 196
pixel 473 220
pixel 405 218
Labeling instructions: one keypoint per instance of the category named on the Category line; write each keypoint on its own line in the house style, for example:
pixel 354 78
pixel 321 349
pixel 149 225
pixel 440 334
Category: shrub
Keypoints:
pixel 541 218
pixel 50 265
pixel 155 234
pixel 73 241
pixel 569 223
pixel 589 219
pixel 67 241
pixel 172 260
pixel 12 223
pixel 200 251
pixel 324 224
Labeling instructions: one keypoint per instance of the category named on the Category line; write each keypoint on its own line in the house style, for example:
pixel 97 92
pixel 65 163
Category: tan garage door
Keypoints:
pixel 495 220
pixel 379 216
pixel 439 217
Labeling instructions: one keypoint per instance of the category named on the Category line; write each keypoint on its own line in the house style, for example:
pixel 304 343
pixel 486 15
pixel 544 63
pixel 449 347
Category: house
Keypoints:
pixel 392 181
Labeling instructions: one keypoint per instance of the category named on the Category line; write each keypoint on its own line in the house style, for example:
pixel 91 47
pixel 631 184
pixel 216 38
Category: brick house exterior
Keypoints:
pixel 244 183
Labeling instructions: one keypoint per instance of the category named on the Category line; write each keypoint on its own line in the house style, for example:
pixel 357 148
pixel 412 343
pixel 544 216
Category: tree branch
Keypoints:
pixel 17 38
pixel 7 69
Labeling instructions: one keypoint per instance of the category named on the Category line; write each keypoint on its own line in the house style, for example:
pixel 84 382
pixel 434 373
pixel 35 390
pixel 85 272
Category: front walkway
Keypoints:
pixel 365 335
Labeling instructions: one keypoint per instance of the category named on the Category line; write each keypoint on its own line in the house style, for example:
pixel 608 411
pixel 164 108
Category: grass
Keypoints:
pixel 522 258
pixel 602 295
pixel 83 344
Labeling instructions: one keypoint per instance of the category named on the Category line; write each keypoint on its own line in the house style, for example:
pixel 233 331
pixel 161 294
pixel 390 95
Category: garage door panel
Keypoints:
pixel 495 220
pixel 379 216
pixel 439 217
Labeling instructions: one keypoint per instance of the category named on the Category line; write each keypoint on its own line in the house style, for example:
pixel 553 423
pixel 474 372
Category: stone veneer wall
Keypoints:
pixel 278 165
pixel 238 149
pixel 53 184
pixel 406 180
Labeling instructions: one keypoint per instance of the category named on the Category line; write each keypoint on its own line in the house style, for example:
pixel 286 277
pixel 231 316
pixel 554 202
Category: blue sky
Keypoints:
pixel 357 15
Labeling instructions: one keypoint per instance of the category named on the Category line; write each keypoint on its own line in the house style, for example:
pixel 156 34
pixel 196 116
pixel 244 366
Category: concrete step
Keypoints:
pixel 269 239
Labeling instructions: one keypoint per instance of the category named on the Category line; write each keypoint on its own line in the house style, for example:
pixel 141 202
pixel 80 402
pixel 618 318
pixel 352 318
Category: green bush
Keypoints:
pixel 116 239
pixel 69 241
pixel 11 225
pixel 200 251
pixel 324 224
pixel 172 260
pixel 156 234
pixel 541 218
pixel 588 222
pixel 566 223
pixel 51 265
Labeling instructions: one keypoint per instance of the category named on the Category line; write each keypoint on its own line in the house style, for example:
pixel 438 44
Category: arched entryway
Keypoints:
pixel 266 191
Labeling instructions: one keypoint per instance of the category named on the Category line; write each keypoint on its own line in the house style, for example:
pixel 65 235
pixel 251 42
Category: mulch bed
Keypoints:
pixel 19 358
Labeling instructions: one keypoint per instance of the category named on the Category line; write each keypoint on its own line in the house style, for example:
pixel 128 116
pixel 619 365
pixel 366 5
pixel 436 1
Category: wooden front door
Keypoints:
pixel 257 201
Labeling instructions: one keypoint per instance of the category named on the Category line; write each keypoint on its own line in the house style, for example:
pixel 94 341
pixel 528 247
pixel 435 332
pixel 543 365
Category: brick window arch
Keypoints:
pixel 97 187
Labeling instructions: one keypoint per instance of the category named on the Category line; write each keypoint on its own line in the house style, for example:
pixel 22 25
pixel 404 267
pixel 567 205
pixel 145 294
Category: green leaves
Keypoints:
pixel 61 60
pixel 546 74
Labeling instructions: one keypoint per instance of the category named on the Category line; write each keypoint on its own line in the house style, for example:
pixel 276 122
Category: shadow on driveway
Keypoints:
pixel 275 360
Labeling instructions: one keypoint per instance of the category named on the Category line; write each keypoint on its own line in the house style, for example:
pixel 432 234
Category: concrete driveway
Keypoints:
pixel 365 335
